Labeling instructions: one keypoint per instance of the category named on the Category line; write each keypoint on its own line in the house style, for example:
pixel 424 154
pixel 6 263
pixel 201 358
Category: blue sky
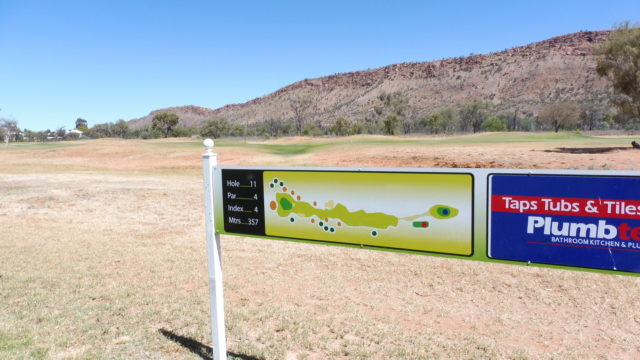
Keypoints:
pixel 105 60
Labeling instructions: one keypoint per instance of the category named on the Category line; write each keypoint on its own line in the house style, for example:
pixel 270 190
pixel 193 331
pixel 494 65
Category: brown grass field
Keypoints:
pixel 103 256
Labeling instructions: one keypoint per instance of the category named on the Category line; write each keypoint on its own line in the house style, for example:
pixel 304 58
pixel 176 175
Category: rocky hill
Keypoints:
pixel 189 115
pixel 523 78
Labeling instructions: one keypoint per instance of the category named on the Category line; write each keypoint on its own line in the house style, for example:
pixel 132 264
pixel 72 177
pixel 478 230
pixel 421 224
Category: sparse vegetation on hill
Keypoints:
pixel 518 82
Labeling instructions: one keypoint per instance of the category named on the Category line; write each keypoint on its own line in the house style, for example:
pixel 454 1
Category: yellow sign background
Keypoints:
pixel 355 208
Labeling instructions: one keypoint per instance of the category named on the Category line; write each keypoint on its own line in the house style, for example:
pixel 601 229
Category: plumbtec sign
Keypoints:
pixel 582 221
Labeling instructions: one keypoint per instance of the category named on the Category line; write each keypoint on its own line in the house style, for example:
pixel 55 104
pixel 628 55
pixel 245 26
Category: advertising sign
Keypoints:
pixel 430 212
pixel 582 221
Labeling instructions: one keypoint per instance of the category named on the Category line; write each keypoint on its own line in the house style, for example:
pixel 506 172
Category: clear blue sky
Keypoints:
pixel 105 60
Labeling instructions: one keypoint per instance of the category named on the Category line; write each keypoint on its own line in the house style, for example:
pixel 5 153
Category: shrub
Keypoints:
pixel 494 123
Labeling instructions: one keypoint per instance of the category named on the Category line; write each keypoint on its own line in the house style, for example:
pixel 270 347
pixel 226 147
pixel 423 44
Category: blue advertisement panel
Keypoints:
pixel 581 221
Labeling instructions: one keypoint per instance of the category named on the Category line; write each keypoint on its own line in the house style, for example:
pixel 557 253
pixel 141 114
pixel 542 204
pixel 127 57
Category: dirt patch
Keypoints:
pixel 517 156
pixel 589 150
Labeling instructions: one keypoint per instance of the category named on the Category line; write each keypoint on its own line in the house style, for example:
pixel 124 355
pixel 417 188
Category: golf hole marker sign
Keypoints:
pixel 584 220
pixel 571 219
pixel 412 211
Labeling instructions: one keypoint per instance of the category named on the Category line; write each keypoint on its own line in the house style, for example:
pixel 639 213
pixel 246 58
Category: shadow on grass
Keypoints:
pixel 203 351
pixel 588 150
pixel 289 149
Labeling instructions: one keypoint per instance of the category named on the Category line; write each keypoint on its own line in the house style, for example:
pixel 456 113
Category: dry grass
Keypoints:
pixel 102 256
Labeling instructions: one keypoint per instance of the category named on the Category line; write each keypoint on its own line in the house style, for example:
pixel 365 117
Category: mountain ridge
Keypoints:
pixel 523 78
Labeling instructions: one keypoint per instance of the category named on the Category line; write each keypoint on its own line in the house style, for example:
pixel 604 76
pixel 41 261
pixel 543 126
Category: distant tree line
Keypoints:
pixel 391 115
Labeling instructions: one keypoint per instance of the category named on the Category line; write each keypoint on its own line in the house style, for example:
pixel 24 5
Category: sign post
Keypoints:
pixel 210 162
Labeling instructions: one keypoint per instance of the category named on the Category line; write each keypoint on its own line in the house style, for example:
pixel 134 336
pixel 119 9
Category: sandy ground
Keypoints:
pixel 102 255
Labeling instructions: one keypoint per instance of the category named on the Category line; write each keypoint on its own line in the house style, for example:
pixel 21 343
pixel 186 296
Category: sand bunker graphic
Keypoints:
pixel 333 216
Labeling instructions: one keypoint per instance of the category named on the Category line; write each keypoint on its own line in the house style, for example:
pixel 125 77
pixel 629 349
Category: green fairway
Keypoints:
pixel 40 146
pixel 562 139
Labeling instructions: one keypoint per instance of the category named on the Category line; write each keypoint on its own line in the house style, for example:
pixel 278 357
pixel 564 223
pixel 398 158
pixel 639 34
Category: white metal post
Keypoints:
pixel 216 298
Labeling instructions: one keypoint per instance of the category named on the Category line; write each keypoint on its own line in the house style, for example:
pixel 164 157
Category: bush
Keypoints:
pixel 238 130
pixel 275 128
pixel 215 127
pixel 436 123
pixel 356 128
pixel 164 122
pixel 392 124
pixel 147 132
pixel 312 129
pixel 473 114
pixel 182 131
pixel 494 123
pixel 342 127
pixel 560 115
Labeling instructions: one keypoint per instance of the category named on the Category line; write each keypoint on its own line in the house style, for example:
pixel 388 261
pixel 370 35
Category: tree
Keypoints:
pixel 371 125
pixel 342 127
pixel 61 132
pixel 147 132
pixel 101 130
pixel 512 120
pixel 275 127
pixel 121 129
pixel 392 124
pixel 238 130
pixel 473 114
pixel 619 60
pixel 560 115
pixel 300 106
pixel 592 115
pixel 494 123
pixel 313 129
pixel 443 121
pixel 164 122
pixel 42 136
pixel 10 130
pixel 29 135
pixel 436 123
pixel 395 102
pixel 356 128
pixel 81 124
pixel 389 113
pixel 215 127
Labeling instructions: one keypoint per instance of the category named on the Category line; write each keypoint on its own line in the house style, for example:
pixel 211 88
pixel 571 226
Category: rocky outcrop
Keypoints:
pixel 522 79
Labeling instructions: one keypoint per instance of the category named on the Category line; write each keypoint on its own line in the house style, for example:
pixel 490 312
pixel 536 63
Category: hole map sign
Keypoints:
pixel 586 220
pixel 411 211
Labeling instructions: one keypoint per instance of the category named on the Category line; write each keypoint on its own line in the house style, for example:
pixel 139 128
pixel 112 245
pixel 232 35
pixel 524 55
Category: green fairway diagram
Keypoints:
pixel 413 211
